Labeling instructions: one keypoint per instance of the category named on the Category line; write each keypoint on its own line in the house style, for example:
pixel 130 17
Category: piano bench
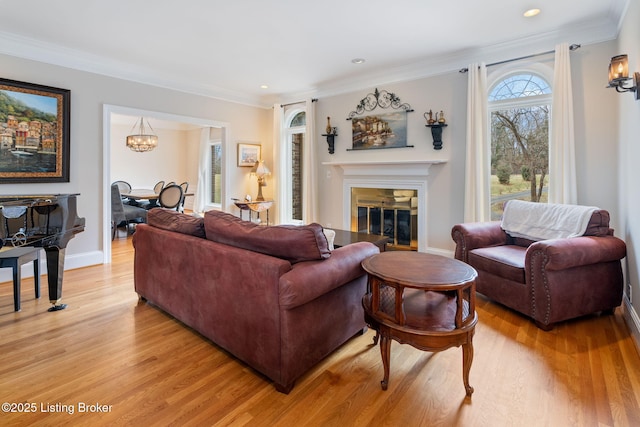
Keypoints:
pixel 15 258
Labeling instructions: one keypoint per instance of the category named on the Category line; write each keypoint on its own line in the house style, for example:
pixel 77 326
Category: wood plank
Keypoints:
pixel 109 348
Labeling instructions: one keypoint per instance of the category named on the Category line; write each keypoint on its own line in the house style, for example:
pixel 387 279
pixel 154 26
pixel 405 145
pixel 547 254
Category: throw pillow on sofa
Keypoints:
pixel 291 242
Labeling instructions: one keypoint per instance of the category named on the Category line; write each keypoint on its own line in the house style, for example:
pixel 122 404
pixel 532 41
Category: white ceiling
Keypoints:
pixel 228 49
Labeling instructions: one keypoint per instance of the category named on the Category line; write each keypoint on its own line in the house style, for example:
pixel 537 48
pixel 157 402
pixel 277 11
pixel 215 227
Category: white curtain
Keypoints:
pixel 477 197
pixel 201 190
pixel 309 193
pixel 280 192
pixel 562 166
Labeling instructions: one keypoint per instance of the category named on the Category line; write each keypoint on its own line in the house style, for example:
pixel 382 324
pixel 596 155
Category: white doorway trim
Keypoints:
pixel 107 112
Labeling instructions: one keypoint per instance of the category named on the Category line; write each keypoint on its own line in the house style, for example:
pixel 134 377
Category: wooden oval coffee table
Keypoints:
pixel 427 301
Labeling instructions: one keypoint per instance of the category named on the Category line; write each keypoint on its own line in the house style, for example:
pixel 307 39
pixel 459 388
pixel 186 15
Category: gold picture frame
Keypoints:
pixel 249 154
pixel 34 145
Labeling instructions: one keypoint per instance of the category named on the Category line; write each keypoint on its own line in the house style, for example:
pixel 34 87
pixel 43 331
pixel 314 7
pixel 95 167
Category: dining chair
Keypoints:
pixel 150 204
pixel 123 187
pixel 185 187
pixel 124 215
pixel 170 197
pixel 158 187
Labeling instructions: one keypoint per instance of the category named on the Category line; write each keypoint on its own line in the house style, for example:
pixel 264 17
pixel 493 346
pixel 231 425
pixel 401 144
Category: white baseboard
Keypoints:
pixel 633 321
pixel 71 262
pixel 442 252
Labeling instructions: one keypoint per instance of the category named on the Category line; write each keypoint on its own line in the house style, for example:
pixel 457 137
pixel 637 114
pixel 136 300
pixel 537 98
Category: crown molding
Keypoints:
pixel 35 50
pixel 596 31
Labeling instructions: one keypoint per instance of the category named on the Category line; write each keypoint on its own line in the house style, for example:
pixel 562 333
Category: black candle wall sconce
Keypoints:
pixel 436 124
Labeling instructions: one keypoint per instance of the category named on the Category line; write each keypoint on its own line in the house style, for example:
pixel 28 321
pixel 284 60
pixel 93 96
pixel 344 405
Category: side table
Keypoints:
pixel 427 301
pixel 254 206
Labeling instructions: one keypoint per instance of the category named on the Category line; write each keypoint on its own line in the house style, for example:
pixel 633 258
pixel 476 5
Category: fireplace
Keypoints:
pixel 381 187
pixel 387 212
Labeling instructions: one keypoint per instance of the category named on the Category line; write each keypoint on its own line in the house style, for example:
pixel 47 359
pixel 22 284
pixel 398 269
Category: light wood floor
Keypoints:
pixel 106 348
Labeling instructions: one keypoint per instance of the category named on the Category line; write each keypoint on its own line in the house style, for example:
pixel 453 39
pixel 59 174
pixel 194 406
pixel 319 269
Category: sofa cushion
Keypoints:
pixel 599 224
pixel 291 242
pixel 171 220
pixel 506 261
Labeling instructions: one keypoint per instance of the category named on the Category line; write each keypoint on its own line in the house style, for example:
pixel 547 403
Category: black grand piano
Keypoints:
pixel 46 221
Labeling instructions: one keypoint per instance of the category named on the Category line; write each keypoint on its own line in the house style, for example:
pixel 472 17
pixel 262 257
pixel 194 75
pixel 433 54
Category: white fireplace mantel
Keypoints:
pixel 386 168
pixel 399 174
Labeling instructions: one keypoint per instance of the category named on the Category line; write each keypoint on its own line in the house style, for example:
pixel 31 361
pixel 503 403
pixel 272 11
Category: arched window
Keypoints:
pixel 295 130
pixel 519 86
pixel 300 119
pixel 519 105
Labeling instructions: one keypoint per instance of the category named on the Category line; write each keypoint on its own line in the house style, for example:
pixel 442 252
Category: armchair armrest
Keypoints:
pixel 560 254
pixel 472 235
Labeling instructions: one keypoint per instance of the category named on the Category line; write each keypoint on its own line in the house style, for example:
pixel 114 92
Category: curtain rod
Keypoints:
pixel 571 48
pixel 299 102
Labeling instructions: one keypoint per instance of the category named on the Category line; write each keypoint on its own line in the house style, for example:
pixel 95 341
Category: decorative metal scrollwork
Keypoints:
pixel 19 238
pixel 382 99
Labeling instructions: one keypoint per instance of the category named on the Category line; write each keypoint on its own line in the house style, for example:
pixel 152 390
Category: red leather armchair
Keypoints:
pixel 550 280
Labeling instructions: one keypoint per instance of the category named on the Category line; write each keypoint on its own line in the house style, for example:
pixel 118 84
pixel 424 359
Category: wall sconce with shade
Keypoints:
pixel 619 75
pixel 142 141
pixel 260 170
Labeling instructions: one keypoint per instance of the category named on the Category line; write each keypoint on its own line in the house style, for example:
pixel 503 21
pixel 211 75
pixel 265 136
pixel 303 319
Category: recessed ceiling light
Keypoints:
pixel 531 12
pixel 358 60
pixel 264 87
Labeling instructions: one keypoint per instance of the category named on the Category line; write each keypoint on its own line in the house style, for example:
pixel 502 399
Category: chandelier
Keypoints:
pixel 142 141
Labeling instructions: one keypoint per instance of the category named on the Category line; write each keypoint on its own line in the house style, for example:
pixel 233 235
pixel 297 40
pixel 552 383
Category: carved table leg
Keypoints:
pixel 385 351
pixel 467 358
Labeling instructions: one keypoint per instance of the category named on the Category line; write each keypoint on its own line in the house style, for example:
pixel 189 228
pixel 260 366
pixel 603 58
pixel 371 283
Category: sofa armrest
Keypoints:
pixel 561 254
pixel 473 235
pixel 310 279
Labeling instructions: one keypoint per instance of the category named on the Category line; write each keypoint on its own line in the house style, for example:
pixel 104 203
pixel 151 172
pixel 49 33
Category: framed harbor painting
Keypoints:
pixel 380 131
pixel 34 133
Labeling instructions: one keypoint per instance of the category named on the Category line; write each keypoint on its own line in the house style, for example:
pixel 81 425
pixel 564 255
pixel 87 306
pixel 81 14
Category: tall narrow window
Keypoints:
pixel 295 141
pixel 216 173
pixel 519 107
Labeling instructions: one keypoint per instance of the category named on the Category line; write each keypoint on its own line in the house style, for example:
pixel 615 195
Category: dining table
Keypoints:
pixel 142 194
pixel 147 194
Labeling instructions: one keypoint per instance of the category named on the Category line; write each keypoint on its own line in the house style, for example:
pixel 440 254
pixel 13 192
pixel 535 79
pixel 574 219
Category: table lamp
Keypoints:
pixel 260 170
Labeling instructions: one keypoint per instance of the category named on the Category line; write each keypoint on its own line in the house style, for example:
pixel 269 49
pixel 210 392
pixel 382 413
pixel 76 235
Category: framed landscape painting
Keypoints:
pixel 248 154
pixel 380 131
pixel 34 133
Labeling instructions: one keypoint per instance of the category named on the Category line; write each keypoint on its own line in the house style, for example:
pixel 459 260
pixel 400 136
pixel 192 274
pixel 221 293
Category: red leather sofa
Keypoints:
pixel 274 297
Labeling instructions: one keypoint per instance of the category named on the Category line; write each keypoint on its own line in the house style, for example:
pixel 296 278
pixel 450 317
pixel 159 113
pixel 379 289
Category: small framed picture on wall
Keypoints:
pixel 248 154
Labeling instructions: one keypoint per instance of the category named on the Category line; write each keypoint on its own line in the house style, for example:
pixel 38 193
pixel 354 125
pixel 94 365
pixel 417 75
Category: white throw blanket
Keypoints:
pixel 542 221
